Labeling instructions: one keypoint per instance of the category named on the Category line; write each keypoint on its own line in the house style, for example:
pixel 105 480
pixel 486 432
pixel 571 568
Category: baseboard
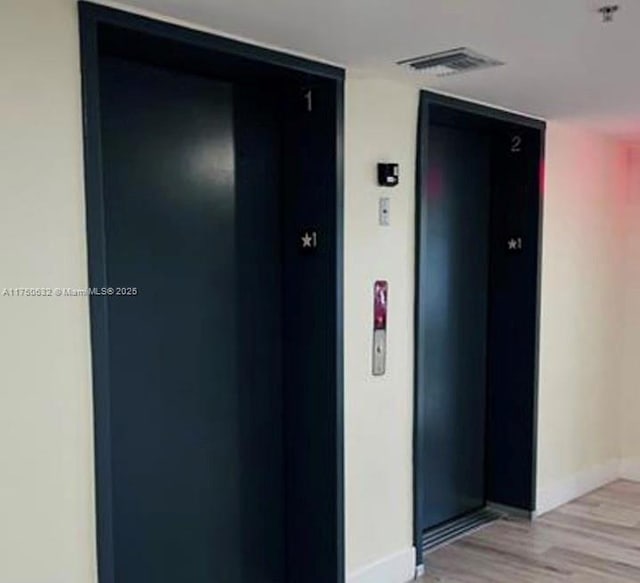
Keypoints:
pixel 397 568
pixel 630 469
pixel 567 489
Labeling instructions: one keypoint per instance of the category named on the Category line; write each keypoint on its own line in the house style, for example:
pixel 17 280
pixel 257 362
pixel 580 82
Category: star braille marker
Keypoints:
pixel 514 244
pixel 308 241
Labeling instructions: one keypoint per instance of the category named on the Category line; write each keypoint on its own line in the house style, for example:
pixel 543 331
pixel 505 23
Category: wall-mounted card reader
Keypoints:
pixel 380 298
pixel 388 174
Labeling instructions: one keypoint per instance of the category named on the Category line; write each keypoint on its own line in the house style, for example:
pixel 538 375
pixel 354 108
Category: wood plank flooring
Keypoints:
pixel 595 539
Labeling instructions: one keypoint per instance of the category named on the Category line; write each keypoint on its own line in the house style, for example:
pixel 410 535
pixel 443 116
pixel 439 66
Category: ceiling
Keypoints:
pixel 561 60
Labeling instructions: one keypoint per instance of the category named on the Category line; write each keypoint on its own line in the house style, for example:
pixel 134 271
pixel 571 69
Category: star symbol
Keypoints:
pixel 513 244
pixel 306 240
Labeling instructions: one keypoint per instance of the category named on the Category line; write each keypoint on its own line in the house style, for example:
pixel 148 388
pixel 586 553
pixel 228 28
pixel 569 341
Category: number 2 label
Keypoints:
pixel 516 144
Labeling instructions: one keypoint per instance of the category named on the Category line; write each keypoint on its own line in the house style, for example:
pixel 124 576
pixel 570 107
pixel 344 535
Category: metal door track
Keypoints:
pixel 457 528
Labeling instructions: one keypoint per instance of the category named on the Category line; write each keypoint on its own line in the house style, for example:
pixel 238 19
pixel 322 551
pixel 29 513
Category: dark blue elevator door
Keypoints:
pixel 195 369
pixel 455 320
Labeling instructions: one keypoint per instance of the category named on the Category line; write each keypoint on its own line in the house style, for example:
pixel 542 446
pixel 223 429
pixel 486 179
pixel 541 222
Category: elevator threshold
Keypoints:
pixel 457 528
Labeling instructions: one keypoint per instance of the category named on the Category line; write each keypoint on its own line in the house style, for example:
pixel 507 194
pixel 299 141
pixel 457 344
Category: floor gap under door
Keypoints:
pixel 459 527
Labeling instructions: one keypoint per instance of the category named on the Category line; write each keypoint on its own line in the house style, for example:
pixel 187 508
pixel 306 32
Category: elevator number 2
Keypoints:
pixel 516 144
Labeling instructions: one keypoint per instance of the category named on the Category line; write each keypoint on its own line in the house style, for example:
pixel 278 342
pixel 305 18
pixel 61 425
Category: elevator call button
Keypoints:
pixel 380 299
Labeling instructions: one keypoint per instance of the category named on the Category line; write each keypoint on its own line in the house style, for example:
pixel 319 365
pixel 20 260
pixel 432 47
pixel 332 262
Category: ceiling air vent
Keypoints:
pixel 451 62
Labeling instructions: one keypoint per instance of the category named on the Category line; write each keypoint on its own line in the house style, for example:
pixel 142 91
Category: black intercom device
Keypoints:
pixel 388 174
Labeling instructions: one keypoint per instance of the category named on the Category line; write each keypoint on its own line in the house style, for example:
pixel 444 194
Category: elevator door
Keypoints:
pixel 455 321
pixel 192 211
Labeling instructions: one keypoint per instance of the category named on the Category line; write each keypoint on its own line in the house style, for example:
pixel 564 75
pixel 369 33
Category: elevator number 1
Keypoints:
pixel 308 96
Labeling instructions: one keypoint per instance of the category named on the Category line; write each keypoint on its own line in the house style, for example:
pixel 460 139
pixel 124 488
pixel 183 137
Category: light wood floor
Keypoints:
pixel 595 539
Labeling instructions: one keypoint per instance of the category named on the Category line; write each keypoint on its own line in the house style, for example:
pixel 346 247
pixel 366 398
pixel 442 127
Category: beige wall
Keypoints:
pixel 46 475
pixel 46 485
pixel 630 404
pixel 580 339
pixel 381 121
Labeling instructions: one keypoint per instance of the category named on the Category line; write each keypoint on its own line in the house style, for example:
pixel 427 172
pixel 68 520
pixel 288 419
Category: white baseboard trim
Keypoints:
pixel 567 489
pixel 630 469
pixel 397 568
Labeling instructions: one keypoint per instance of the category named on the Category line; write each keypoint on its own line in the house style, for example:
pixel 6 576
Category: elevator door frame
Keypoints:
pixel 223 52
pixel 457 107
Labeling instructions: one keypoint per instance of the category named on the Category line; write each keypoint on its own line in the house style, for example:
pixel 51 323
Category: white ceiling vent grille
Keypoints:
pixel 453 62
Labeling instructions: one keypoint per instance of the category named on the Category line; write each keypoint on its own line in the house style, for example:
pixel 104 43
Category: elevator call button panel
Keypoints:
pixel 380 299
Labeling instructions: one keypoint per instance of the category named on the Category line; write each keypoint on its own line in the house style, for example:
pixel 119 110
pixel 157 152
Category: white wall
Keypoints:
pixel 46 471
pixel 580 342
pixel 630 372
pixel 46 480
pixel 381 122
